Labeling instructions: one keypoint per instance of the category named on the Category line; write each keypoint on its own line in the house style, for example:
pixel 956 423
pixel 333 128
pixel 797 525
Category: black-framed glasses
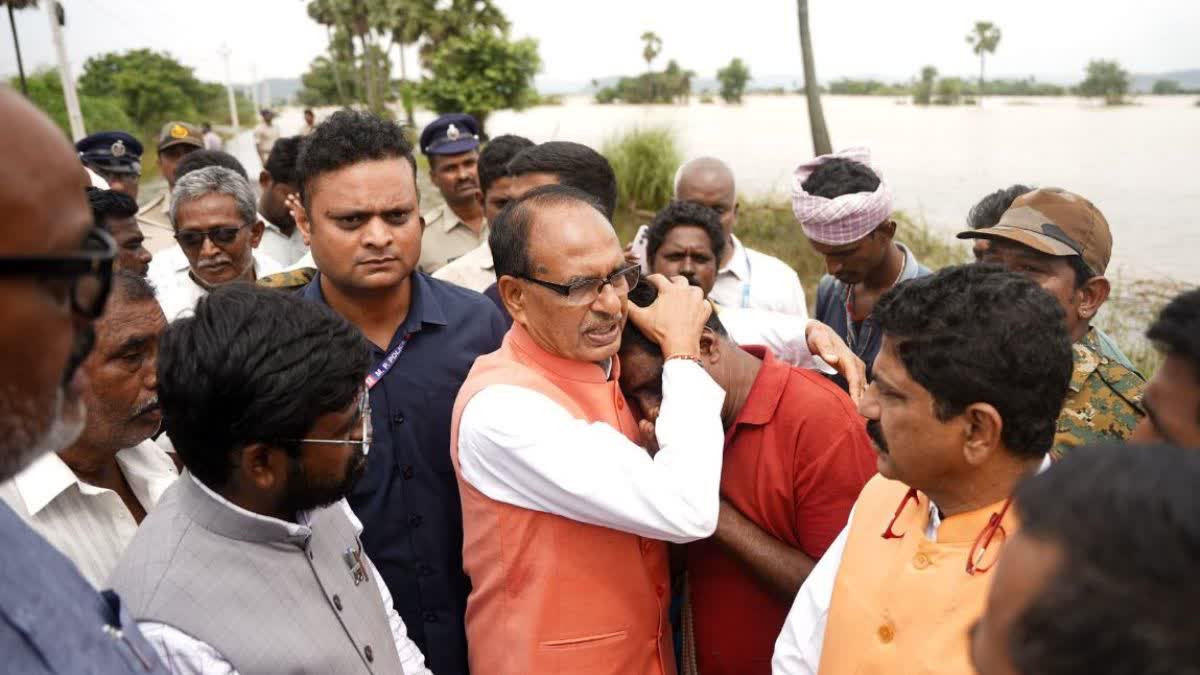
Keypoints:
pixel 221 236
pixel 585 291
pixel 89 272
pixel 364 412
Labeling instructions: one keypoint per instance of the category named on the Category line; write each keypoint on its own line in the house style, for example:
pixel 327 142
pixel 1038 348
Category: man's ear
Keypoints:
pixel 256 232
pixel 300 215
pixel 710 346
pixel 983 430
pixel 261 466
pixel 887 228
pixel 1092 296
pixel 264 180
pixel 512 294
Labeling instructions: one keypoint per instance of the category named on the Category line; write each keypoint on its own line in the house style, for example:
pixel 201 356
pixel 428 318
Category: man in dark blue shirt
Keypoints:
pixel 362 215
pixel 56 268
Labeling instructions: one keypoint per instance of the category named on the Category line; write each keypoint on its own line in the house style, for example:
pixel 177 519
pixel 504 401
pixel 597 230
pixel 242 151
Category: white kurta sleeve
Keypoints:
pixel 183 654
pixel 411 658
pixel 798 647
pixel 519 447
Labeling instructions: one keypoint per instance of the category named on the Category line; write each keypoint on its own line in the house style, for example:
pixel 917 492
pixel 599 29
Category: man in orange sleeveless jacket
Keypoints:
pixel 565 512
pixel 971 375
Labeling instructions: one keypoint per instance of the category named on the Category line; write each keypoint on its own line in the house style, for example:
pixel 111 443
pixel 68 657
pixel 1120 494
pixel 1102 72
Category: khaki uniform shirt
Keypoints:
pixel 474 270
pixel 265 136
pixel 446 238
pixel 154 220
pixel 1104 402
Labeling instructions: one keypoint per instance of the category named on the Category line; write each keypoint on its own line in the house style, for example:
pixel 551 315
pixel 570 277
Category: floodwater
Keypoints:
pixel 1140 164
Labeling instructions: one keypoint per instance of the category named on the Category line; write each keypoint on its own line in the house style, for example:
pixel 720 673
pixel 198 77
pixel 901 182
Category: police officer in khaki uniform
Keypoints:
pixel 174 141
pixel 451 142
pixel 1062 241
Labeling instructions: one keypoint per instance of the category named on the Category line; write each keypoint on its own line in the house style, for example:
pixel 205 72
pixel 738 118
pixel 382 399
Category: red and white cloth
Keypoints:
pixel 843 219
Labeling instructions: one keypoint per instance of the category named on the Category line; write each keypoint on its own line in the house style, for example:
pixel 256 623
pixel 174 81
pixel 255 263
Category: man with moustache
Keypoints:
pixel 55 270
pixel 475 269
pixel 1172 399
pixel 451 142
pixel 361 214
pixel 564 512
pixel 116 213
pixel 282 241
pixel 251 562
pixel 217 228
pixel 959 413
pixel 88 498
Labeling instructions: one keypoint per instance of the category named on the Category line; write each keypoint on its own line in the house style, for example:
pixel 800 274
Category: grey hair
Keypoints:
pixel 210 180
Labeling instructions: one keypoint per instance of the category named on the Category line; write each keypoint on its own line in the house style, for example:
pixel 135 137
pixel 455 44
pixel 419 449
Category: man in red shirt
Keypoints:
pixel 796 456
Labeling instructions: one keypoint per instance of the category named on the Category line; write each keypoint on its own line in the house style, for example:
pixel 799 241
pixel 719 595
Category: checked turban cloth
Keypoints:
pixel 843 219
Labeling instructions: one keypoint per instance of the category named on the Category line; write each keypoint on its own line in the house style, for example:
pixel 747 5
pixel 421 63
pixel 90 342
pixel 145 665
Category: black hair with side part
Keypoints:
pixel 202 159
pixel 644 295
pixel 987 211
pixel 840 176
pixel 281 163
pixel 977 333
pixel 509 237
pixel 253 365
pixel 576 165
pixel 496 155
pixel 110 204
pixel 1176 331
pixel 684 213
pixel 1123 598
pixel 349 137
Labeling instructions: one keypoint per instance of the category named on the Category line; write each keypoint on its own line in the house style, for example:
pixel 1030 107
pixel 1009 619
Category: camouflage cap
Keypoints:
pixel 179 133
pixel 1055 222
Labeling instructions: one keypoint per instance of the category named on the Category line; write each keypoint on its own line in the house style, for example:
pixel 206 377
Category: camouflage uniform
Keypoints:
pixel 291 280
pixel 1104 403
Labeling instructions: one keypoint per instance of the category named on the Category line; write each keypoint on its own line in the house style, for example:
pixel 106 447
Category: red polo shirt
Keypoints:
pixel 795 460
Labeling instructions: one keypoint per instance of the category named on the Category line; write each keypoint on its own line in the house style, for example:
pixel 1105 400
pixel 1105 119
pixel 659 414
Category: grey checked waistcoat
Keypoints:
pixel 268 601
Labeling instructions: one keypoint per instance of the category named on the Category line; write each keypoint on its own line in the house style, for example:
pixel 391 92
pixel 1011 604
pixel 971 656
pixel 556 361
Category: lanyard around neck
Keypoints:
pixel 386 364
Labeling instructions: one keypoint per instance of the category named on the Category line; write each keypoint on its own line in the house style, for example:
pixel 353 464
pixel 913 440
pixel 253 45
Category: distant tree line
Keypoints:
pixel 673 84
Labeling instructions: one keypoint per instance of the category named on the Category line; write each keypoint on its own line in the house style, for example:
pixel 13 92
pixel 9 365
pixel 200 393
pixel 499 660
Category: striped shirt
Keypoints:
pixel 88 524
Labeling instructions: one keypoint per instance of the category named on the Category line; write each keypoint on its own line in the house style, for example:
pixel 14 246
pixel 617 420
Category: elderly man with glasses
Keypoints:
pixel 214 214
pixel 567 498
pixel 959 411
pixel 252 562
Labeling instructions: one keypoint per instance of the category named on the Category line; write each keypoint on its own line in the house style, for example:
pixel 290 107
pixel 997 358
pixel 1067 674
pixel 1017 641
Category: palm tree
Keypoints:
pixel 816 116
pixel 983 40
pixel 653 47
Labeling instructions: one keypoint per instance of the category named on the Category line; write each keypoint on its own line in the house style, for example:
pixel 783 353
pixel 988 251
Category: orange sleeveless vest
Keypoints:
pixel 551 595
pixel 904 606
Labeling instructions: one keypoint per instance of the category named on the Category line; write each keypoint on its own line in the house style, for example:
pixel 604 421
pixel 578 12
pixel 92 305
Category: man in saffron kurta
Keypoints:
pixel 564 512
pixel 959 411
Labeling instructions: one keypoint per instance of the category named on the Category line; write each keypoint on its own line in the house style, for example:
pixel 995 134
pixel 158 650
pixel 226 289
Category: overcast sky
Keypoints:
pixel 1052 39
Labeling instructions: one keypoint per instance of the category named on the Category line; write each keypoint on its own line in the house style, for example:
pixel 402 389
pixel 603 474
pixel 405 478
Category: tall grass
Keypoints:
pixel 644 160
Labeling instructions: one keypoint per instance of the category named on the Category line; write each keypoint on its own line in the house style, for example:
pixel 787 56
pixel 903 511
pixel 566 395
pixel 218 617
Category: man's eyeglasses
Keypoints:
pixel 221 236
pixel 585 291
pixel 983 540
pixel 364 412
pixel 89 272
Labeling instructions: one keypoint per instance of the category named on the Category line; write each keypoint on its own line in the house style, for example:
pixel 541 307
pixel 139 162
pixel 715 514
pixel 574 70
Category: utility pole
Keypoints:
pixel 254 88
pixel 57 16
pixel 233 117
pixel 17 43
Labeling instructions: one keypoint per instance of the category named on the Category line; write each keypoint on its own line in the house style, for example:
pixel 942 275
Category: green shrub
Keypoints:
pixel 644 160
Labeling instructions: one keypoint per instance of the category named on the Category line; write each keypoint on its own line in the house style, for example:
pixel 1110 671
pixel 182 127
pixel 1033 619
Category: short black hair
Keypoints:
pixel 132 287
pixel 281 162
pixel 1123 599
pixel 1176 331
pixel 348 137
pixel 576 165
pixel 840 176
pixel 978 333
pixel 253 365
pixel 644 295
pixel 509 237
pixel 308 111
pixel 684 213
pixel 496 155
pixel 202 159
pixel 987 211
pixel 110 204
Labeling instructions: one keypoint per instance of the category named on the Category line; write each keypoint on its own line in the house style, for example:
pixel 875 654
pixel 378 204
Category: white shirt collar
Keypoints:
pixel 738 265
pixel 49 476
pixel 296 529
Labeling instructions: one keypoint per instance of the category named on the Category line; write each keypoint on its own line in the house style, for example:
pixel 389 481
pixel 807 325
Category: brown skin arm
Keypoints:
pixel 779 567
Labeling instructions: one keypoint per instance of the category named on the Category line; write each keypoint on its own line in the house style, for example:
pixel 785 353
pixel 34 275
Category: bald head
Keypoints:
pixel 709 181
pixel 45 214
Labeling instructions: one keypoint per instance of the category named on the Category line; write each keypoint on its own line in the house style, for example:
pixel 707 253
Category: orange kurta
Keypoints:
pixel 551 595
pixel 905 605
